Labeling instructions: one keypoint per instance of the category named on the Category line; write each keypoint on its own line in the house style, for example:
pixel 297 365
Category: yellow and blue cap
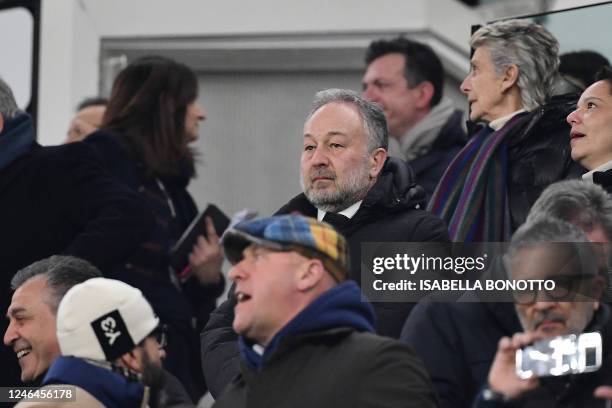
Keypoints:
pixel 307 236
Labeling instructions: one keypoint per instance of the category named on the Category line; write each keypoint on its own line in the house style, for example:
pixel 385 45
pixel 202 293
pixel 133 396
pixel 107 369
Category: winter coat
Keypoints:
pixel 539 154
pixel 59 200
pixel 326 357
pixel 184 307
pixel 457 343
pixel 604 179
pixel 391 211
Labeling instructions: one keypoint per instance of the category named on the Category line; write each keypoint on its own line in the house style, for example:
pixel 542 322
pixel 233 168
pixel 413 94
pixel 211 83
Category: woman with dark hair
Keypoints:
pixel 151 117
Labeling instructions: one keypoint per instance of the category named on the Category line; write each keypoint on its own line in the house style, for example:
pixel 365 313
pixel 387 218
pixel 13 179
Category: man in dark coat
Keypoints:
pixel 349 182
pixel 406 78
pixel 57 200
pixel 300 320
pixel 591 134
pixel 457 341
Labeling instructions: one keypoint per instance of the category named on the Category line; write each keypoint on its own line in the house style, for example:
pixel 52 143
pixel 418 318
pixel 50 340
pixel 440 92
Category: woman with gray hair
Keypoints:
pixel 488 188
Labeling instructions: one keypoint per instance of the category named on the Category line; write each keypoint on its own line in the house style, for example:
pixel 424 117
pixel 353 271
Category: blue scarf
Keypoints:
pixel 340 306
pixel 110 388
pixel 16 138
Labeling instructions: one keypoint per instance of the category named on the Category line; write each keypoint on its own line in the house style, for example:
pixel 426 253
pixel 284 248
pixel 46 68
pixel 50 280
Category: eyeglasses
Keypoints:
pixel 161 335
pixel 566 287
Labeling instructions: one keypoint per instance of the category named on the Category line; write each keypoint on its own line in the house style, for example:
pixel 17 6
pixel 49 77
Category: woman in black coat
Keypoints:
pixel 151 118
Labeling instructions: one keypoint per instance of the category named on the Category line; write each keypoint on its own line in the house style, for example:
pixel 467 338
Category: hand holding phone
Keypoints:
pixel 502 375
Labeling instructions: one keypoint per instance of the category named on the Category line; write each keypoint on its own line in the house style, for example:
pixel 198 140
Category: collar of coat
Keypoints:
pixel 395 191
pixel 110 388
pixel 338 311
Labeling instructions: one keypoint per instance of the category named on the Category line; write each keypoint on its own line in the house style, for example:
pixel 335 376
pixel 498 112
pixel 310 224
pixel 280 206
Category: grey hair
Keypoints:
pixel 546 230
pixel 375 124
pixel 529 46
pixel 579 202
pixel 61 273
pixel 8 104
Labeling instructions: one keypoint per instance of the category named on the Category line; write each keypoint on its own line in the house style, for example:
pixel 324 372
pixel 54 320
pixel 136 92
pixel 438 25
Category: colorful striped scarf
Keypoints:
pixel 472 195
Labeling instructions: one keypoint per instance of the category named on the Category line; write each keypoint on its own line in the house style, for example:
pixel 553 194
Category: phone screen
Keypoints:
pixel 561 355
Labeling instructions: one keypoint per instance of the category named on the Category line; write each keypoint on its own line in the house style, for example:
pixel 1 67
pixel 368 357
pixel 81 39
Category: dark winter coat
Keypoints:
pixel 604 179
pixel 457 342
pixel 184 307
pixel 539 154
pixel 325 357
pixel 59 200
pixel 430 167
pixel 391 211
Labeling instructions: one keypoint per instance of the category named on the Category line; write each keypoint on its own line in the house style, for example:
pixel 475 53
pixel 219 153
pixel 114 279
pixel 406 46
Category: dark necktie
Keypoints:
pixel 336 220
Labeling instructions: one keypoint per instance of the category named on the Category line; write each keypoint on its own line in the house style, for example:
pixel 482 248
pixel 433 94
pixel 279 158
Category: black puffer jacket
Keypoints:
pixel 539 154
pixel 391 211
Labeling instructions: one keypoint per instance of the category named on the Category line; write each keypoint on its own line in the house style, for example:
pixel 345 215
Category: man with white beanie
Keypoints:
pixel 111 344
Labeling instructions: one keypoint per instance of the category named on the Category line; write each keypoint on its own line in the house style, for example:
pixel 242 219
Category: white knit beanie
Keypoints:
pixel 102 319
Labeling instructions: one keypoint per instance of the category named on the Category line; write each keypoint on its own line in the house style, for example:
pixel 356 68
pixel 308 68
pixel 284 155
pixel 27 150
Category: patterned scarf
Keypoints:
pixel 472 196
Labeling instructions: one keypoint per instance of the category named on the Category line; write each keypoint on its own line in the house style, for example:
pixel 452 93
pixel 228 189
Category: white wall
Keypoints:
pixel 72 29
pixel 69 49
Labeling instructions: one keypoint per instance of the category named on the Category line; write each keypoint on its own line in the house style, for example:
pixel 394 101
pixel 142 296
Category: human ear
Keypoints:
pixel 377 159
pixel 509 77
pixel 425 94
pixel 132 359
pixel 310 274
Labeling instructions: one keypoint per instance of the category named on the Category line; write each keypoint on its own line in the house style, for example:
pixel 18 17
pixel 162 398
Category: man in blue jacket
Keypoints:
pixel 300 320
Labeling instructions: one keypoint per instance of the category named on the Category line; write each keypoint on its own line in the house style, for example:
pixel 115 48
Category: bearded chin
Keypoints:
pixel 346 193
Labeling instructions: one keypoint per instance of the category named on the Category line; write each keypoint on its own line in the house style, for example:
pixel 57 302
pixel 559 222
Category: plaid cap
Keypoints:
pixel 309 237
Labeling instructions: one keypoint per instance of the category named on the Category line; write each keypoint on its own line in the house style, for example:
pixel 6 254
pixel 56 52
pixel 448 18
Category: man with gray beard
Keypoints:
pixel 349 182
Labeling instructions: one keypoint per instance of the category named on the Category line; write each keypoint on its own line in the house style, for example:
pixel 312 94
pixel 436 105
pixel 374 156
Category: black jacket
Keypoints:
pixel 391 211
pixel 59 200
pixel 604 179
pixel 184 307
pixel 430 167
pixel 539 154
pixel 325 357
pixel 457 342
